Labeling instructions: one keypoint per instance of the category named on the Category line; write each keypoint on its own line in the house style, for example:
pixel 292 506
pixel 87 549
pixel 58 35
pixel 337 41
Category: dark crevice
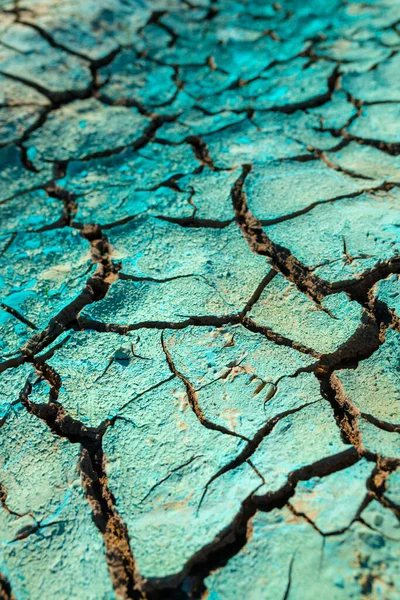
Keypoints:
pixel 346 413
pixel 289 582
pixel 50 39
pixel 125 578
pixel 196 222
pixel 281 258
pixel 128 277
pixel 384 425
pixel 170 474
pixel 85 323
pixel 257 292
pixel 15 313
pixel 232 539
pixel 5 588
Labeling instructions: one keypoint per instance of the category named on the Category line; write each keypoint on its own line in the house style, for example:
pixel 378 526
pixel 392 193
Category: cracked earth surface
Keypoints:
pixel 199 299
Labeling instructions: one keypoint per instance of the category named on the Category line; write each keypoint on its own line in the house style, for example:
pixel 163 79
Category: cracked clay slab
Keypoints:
pixel 199 300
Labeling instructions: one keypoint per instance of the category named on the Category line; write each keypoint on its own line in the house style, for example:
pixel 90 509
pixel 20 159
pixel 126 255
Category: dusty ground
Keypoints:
pixel 199 213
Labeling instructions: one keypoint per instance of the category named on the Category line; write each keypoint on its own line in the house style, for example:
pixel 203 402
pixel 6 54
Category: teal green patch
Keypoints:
pixel 317 566
pixel 321 328
pixel 48 66
pixel 376 378
pixel 346 489
pixel 378 122
pixel 151 447
pixel 275 190
pixel 48 528
pixel 276 459
pixel 199 240
pixel 107 128
pixel 365 223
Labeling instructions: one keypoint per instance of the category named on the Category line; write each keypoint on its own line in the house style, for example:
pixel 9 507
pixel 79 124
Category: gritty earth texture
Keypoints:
pixel 200 300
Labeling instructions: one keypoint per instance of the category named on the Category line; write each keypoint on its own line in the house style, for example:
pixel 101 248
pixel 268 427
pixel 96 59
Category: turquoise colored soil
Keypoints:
pixel 199 300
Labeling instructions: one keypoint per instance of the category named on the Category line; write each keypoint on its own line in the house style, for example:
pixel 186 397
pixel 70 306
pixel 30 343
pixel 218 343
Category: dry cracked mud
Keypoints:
pixel 199 232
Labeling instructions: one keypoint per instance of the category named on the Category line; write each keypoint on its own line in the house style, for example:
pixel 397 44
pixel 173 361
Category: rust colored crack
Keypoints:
pixel 94 290
pixel 384 425
pixel 281 258
pixel 345 411
pixel 370 335
pixel 70 206
pixel 386 147
pixel 84 323
pixel 196 222
pixel 125 577
pixel 324 157
pixel 321 468
pixel 233 538
pixel 277 338
pixel 359 288
pixel 226 544
pixel 200 150
pixel 378 482
pixel 325 534
pixel 362 344
pixel 257 292
pixel 124 574
pixel 3 502
pixel 5 588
